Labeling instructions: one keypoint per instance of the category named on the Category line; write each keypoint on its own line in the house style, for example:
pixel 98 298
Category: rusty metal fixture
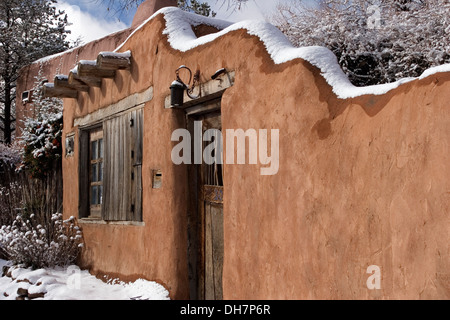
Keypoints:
pixel 178 86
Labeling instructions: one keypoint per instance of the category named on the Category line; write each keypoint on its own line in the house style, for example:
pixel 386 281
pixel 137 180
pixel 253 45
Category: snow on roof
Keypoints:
pixel 181 37
pixel 53 56
pixel 56 55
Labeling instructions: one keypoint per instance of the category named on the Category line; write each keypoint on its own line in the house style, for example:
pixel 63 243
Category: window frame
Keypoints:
pixel 96 136
pixel 132 123
pixel 84 173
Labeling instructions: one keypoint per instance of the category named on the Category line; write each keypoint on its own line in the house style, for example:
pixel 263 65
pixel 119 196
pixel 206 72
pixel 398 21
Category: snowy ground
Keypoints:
pixel 73 284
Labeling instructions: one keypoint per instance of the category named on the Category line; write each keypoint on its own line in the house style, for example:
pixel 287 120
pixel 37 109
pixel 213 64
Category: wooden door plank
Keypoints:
pixel 217 248
pixel 124 172
pixel 106 170
pixel 129 169
pixel 138 194
pixel 115 200
pixel 209 265
pixel 139 155
pixel 139 122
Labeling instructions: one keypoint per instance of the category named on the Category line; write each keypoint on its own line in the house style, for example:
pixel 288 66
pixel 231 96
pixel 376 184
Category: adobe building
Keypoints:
pixel 340 192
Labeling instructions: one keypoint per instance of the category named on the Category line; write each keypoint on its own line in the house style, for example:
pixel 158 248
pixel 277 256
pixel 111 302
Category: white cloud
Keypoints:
pixel 87 26
pixel 91 21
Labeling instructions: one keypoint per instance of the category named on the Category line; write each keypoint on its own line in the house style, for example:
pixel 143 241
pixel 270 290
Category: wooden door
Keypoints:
pixel 206 245
pixel 211 202
pixel 213 211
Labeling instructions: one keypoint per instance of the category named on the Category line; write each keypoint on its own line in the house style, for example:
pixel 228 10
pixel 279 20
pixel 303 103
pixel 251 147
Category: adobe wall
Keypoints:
pixel 361 181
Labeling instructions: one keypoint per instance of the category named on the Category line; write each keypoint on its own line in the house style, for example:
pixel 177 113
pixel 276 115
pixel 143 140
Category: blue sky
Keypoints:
pixel 91 20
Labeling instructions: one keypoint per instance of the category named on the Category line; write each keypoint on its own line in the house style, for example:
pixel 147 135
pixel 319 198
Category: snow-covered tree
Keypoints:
pixel 10 156
pixel 30 168
pixel 29 30
pixel 41 137
pixel 201 7
pixel 375 41
pixel 198 7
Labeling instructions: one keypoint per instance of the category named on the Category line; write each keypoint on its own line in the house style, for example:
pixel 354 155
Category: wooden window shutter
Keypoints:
pixel 122 185
pixel 136 126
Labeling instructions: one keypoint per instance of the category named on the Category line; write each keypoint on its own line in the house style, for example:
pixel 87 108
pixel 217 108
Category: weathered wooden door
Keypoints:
pixel 211 199
pixel 207 223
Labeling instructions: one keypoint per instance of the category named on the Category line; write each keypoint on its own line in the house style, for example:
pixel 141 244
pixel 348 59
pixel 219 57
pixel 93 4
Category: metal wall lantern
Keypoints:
pixel 178 87
pixel 177 93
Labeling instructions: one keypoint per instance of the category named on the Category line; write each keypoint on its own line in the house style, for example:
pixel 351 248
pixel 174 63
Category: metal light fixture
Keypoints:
pixel 176 93
pixel 178 86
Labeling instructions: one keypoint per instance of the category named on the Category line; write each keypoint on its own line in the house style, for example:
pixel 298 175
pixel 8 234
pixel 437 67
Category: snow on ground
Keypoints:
pixel 71 283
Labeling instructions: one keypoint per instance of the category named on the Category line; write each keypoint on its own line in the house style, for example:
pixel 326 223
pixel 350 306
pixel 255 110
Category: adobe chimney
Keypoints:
pixel 149 7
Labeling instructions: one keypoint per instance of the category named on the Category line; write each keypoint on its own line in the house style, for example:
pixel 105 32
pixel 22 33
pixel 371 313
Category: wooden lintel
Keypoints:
pixel 62 81
pixel 210 90
pixel 74 78
pixel 50 91
pixel 114 60
pixel 89 68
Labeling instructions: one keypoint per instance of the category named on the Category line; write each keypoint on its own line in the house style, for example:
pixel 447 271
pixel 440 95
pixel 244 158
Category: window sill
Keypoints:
pixel 105 222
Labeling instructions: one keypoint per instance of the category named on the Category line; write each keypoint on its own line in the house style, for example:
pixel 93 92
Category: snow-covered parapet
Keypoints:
pixel 181 37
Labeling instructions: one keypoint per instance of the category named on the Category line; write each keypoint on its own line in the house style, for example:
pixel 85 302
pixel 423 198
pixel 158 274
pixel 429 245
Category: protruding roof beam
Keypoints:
pixel 75 78
pixel 63 82
pixel 88 73
pixel 89 68
pixel 51 91
pixel 114 60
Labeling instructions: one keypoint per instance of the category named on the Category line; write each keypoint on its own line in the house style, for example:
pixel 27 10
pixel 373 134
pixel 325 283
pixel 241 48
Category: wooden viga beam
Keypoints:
pixel 62 81
pixel 114 60
pixel 76 79
pixel 91 72
pixel 89 68
pixel 51 91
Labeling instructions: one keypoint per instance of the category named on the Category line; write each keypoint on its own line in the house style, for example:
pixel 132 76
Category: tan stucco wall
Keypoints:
pixel 361 181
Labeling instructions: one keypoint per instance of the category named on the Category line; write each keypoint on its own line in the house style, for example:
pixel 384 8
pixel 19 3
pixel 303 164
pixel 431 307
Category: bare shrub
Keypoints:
pixel 29 243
